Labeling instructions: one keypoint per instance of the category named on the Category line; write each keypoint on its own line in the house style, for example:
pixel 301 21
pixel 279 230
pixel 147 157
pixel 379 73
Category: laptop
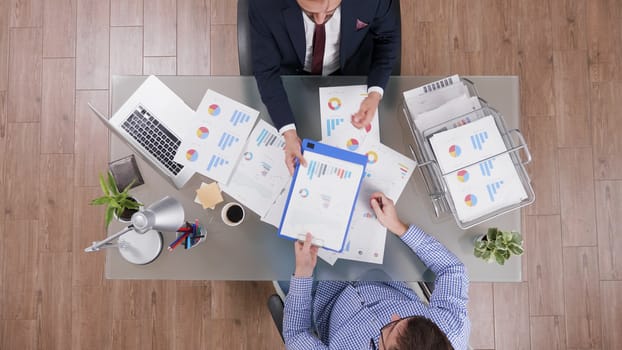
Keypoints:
pixel 152 122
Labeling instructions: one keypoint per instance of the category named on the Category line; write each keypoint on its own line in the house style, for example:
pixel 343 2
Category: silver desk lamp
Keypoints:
pixel 141 242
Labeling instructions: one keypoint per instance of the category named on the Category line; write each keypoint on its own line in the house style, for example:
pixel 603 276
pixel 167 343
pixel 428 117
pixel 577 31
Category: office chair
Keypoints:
pixel 244 41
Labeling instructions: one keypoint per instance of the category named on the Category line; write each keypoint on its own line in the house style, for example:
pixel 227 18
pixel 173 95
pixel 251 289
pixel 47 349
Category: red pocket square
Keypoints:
pixel 360 24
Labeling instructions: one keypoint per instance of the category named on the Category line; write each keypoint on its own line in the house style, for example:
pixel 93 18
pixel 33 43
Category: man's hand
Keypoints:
pixel 306 257
pixel 366 112
pixel 293 151
pixel 386 214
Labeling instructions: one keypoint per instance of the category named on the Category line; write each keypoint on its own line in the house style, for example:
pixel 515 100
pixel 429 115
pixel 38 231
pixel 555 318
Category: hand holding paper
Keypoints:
pixel 306 257
pixel 293 151
pixel 384 208
pixel 367 111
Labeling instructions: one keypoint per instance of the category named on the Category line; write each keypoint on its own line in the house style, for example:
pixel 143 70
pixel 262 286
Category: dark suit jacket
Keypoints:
pixel 278 46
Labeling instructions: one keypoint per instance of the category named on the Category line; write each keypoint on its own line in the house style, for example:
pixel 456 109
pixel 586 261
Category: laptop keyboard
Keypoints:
pixel 154 137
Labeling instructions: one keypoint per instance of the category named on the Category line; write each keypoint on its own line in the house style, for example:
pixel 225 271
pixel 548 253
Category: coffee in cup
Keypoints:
pixel 232 214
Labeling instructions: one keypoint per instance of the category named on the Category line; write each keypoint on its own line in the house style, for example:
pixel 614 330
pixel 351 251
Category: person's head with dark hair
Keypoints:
pixel 413 333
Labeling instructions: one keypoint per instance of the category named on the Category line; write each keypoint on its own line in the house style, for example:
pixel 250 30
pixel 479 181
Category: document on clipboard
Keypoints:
pixel 322 196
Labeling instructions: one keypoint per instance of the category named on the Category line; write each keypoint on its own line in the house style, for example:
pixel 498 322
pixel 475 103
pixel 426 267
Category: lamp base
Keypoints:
pixel 140 248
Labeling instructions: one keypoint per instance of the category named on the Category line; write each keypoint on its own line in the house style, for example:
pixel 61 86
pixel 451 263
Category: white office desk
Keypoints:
pixel 252 250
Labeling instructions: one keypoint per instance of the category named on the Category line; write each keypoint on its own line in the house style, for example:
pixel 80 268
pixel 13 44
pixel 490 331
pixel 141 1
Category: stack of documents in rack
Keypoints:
pixel 480 176
pixel 440 102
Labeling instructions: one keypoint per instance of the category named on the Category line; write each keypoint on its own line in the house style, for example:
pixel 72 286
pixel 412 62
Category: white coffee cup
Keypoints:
pixel 232 214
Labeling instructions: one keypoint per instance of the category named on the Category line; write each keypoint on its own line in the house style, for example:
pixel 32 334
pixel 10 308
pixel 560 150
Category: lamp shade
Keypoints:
pixel 165 215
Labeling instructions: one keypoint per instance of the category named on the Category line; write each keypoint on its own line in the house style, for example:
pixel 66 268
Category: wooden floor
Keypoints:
pixel 57 55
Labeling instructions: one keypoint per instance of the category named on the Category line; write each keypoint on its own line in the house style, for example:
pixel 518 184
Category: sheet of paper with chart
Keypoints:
pixel 261 173
pixel 387 171
pixel 322 196
pixel 477 185
pixel 337 104
pixel 216 137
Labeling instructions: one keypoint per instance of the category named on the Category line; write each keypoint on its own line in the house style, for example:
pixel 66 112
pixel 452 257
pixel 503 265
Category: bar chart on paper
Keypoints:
pixel 215 162
pixel 267 138
pixel 226 141
pixel 239 118
pixel 319 169
pixel 332 123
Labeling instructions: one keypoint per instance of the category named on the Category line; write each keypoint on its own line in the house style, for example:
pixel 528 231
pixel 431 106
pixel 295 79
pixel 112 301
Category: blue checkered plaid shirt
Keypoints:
pixel 346 315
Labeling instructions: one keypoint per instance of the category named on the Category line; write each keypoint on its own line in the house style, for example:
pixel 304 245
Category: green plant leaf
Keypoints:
pixel 492 233
pixel 500 259
pixel 100 201
pixel 515 249
pixel 517 238
pixel 112 184
pixel 486 255
pixel 128 187
pixel 478 253
pixel 102 184
pixel 108 215
pixel 480 245
pixel 507 236
pixel 114 204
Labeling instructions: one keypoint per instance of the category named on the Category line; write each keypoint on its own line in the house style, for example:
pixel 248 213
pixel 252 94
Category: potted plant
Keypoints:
pixel 118 203
pixel 498 245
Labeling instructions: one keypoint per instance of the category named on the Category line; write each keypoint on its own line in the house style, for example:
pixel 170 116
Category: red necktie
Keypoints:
pixel 319 41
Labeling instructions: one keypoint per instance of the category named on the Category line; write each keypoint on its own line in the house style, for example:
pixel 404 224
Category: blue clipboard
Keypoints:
pixel 322 196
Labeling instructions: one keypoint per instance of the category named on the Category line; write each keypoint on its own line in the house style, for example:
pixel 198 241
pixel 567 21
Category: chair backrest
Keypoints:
pixel 244 39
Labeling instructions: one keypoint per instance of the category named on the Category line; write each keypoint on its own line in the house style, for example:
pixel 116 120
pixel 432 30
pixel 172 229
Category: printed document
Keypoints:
pixel 337 105
pixel 216 138
pixel 261 173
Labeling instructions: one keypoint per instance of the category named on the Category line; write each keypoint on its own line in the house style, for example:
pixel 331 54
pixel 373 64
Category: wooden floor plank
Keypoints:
pixel 88 226
pixel 126 51
pixel 546 283
pixel 193 37
pixel 4 45
pixel 576 187
pixel 3 155
pixel 56 213
pixel 25 75
pixel 611 304
pixel 160 65
pixel 544 170
pixel 500 37
pixel 467 26
pixel 224 58
pixel 89 161
pixel 133 299
pixel 609 222
pixel 18 334
pixel 604 38
pixel 58 105
pixel 54 281
pixel 92 46
pixel 548 332
pixel 569 24
pixel 535 65
pixel 511 302
pixel 126 13
pixel 59 28
pixel 21 177
pixel 605 105
pixel 481 313
pixel 26 13
pixel 19 291
pixel 574 123
pixel 220 334
pixel 160 28
pixel 91 317
pixel 132 334
pixel 582 297
pixel 224 12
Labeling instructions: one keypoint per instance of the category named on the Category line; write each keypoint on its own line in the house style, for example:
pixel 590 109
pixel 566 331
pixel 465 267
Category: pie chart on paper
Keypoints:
pixel 352 144
pixel 455 151
pixel 463 176
pixel 470 200
pixel 192 155
pixel 213 110
pixel 202 132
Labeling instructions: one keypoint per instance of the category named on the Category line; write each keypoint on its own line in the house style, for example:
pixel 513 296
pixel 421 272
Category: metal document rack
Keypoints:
pixel 434 178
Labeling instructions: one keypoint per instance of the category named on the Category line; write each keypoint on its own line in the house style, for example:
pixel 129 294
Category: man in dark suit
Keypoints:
pixel 321 37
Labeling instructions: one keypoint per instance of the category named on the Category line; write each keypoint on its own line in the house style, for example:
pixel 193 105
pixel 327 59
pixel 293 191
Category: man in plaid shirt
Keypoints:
pixel 378 315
